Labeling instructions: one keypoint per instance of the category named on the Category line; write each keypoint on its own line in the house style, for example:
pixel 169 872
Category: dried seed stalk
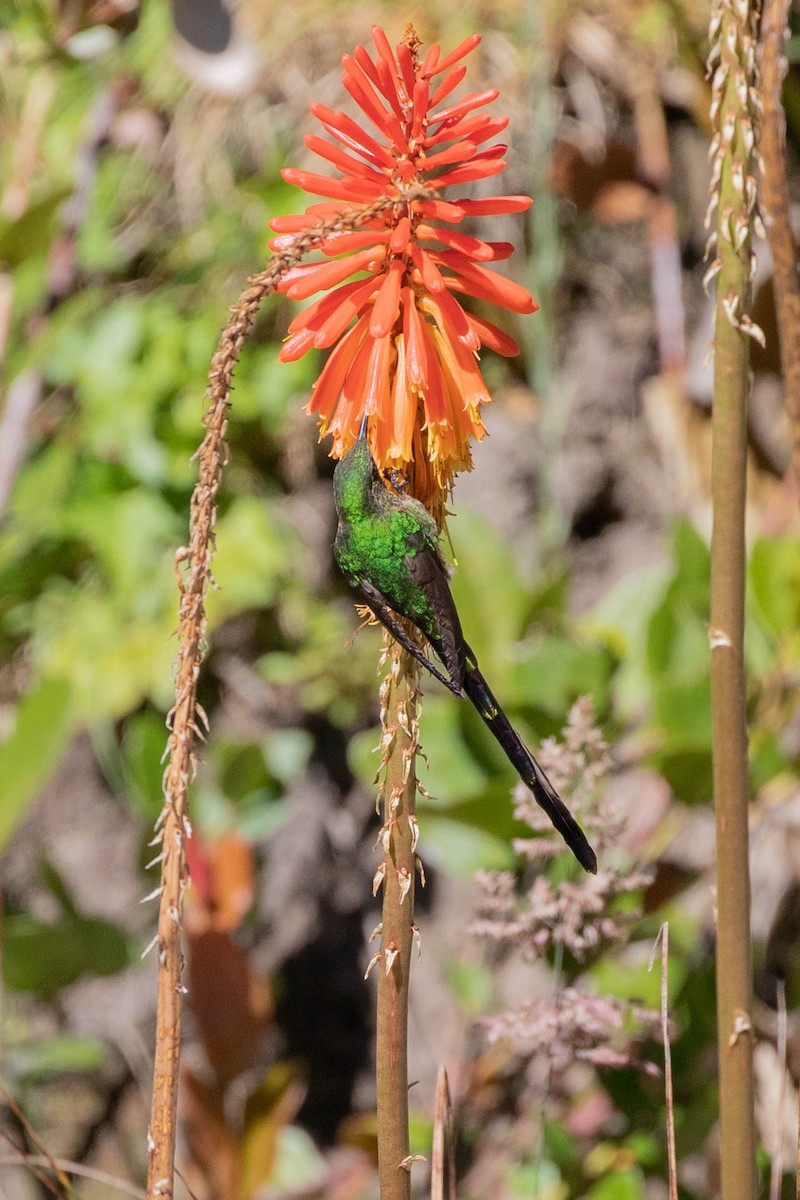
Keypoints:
pixel 775 199
pixel 193 565
pixel 734 112
pixel 399 744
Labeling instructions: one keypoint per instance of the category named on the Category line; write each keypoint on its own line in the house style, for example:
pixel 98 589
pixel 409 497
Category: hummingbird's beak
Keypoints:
pixel 362 432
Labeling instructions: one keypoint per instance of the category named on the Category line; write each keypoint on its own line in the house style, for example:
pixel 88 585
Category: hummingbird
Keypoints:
pixel 387 547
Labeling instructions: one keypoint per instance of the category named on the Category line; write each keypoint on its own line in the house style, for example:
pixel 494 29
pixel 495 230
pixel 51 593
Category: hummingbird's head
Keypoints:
pixel 355 475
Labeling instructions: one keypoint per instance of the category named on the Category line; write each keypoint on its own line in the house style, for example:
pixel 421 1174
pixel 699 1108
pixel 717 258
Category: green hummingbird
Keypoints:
pixel 387 546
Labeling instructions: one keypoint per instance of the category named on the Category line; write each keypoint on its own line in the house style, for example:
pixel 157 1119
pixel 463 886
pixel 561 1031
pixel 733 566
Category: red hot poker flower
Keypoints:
pixel 410 358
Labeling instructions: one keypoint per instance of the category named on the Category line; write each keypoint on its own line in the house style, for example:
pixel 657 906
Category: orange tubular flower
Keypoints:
pixel 410 358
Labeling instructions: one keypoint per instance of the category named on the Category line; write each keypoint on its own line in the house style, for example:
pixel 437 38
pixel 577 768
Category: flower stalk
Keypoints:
pixel 732 63
pixel 193 568
pixel 404 354
pixel 777 215
pixel 396 875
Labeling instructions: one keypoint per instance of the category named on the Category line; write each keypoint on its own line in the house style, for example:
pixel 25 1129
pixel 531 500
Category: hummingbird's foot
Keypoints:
pixel 397 479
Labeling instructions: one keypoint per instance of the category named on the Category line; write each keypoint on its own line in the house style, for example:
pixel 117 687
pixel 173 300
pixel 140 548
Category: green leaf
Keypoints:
pixel 629 977
pixel 489 595
pixel 683 711
pixel 463 850
pixel 287 752
pixel 693 564
pixel 298 1166
pixel 774 577
pixel 143 741
pixel 472 985
pixel 43 958
pixel 550 672
pixel 451 774
pixel 31 233
pixel 43 724
pixel 619 1185
pixel 66 1054
pixel 687 771
pixel 252 557
pixel 620 620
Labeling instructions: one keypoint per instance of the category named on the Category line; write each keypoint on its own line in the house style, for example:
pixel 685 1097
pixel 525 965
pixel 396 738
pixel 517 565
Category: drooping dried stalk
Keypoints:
pixel 776 1163
pixel 396 874
pixel 777 219
pixel 193 565
pixel 669 1095
pixel 61 1186
pixel 443 1152
pixel 734 113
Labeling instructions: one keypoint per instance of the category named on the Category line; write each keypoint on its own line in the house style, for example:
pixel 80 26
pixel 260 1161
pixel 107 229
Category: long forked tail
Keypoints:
pixel 531 774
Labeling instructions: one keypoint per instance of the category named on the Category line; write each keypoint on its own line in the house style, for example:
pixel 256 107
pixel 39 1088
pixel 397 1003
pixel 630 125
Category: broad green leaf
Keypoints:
pixel 550 672
pixel 683 712
pixel 489 595
pixel 472 985
pixel 774 577
pixel 620 620
pixel 619 1185
pixel 452 773
pixel 540 1179
pixel 287 752
pixel 268 1110
pixel 42 726
pixel 692 564
pixel 143 740
pixel 43 958
pixel 298 1166
pixel 460 849
pixel 251 559
pixel 31 233
pixel 628 977
pixel 687 771
pixel 113 658
pixel 66 1054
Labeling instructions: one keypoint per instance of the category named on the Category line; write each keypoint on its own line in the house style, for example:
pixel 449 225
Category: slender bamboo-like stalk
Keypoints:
pixel 399 742
pixel 669 1094
pixel 443 1155
pixel 775 198
pixel 173 826
pixel 732 60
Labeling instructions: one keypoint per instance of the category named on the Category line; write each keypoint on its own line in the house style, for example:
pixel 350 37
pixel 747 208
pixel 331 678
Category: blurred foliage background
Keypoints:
pixel 139 162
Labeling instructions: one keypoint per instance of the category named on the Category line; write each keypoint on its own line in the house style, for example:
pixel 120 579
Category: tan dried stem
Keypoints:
pixel 33 1161
pixel 61 1186
pixel 776 1163
pixel 443 1150
pixel 193 567
pixel 734 114
pixel 669 1094
pixel 399 744
pixel 777 216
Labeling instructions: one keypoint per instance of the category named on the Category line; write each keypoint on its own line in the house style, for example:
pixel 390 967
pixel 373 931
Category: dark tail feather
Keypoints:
pixel 529 770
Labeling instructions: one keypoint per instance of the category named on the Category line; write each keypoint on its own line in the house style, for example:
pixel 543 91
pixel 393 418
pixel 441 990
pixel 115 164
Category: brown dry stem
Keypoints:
pixel 669 1094
pixel 443 1153
pixel 193 565
pixel 399 743
pixel 732 61
pixel 777 218
pixel 60 1186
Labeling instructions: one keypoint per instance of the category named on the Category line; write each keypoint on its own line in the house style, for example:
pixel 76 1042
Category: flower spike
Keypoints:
pixel 405 351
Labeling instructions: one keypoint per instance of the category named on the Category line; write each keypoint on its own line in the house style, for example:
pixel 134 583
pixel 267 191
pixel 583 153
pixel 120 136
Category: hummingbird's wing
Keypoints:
pixel 377 602
pixel 430 575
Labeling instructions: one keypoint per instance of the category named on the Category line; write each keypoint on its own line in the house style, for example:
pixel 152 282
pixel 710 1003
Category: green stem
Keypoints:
pixel 734 76
pixel 400 743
